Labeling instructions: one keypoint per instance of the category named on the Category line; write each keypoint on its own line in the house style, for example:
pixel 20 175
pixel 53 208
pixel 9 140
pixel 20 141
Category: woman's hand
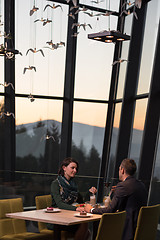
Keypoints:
pixel 80 209
pixel 93 190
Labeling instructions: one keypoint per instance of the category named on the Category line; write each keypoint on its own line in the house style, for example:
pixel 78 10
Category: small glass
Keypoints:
pixel 93 200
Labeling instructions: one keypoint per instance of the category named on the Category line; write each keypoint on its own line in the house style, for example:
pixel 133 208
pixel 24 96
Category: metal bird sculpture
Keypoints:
pixel 33 10
pixel 46 21
pixel 1 23
pixel 54 46
pixel 75 34
pixel 74 7
pixel 84 25
pixel 50 42
pixel 138 3
pixel 84 9
pixel 106 14
pixel 126 12
pixel 31 98
pixel 7 84
pixel 75 25
pixel 71 15
pixel 61 43
pixel 73 1
pixel 54 6
pixel 47 137
pixel 29 68
pixel 127 3
pixel 40 20
pixel 97 2
pixel 119 61
pixel 134 13
pixel 8 114
pixel 91 14
pixel 35 51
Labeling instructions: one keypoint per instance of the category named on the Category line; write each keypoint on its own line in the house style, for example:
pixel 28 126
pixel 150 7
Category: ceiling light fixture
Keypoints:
pixel 109 36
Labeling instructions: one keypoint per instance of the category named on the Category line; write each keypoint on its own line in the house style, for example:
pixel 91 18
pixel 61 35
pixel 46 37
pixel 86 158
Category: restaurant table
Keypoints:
pixel 61 217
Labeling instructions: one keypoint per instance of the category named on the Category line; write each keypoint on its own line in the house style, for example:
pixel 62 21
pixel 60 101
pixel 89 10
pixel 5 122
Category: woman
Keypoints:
pixel 64 193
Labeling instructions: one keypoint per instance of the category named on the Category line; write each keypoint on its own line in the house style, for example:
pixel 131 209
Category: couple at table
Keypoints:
pixel 129 194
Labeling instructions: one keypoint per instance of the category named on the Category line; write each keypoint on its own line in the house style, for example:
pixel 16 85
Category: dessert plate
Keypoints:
pixel 83 216
pixel 54 210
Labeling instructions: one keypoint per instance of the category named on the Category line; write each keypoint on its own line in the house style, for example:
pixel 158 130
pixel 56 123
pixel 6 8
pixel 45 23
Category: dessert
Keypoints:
pixel 83 213
pixel 50 208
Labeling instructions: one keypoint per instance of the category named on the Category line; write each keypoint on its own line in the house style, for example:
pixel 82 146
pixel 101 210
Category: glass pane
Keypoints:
pixel 149 44
pixel 124 56
pixel 2 42
pixel 2 74
pixel 106 4
pixel 47 75
pixel 88 134
pixel 94 61
pixel 27 185
pixel 38 130
pixel 111 166
pixel 138 127
pixel 154 197
pixel 2 132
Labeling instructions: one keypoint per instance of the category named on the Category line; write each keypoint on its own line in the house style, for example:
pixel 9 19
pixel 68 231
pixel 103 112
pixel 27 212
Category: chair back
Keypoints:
pixel 41 203
pixel 147 222
pixel 8 225
pixel 111 226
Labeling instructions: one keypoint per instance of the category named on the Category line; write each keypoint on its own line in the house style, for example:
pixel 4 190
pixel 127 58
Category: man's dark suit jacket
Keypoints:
pixel 129 195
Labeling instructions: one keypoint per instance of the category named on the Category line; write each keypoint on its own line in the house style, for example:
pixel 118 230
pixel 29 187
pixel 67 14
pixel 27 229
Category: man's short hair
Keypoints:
pixel 129 166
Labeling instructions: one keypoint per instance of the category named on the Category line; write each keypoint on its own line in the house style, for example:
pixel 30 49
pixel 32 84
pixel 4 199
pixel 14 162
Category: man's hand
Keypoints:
pixel 80 209
pixel 93 190
pixel 88 208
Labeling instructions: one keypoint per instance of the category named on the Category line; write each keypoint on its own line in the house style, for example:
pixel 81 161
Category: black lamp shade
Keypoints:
pixel 109 36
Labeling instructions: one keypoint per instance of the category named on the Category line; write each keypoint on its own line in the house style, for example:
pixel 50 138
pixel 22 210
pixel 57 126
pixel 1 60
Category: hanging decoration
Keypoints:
pixel 97 2
pixel 35 51
pixel 7 85
pixel 9 53
pixel 119 61
pixel 31 98
pixel 34 9
pixel 8 114
pixel 109 36
pixel 53 46
pixel 29 68
pixel 83 9
pixel 54 6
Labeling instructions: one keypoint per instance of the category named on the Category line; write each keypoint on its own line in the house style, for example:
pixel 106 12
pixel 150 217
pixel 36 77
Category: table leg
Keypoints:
pixel 57 232
pixel 95 229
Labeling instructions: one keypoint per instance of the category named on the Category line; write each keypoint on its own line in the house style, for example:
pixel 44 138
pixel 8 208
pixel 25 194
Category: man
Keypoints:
pixel 129 194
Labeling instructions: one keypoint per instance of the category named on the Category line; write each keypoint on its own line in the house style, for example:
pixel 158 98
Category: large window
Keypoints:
pixel 154 197
pixel 112 159
pixel 149 44
pixel 94 61
pixel 138 126
pixel 47 76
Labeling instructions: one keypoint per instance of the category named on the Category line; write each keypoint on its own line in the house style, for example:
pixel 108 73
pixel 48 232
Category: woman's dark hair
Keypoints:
pixel 129 165
pixel 65 163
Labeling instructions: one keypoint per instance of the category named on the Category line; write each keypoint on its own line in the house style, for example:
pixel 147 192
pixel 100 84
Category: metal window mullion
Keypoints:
pixel 150 136
pixel 9 75
pixel 131 82
pixel 66 132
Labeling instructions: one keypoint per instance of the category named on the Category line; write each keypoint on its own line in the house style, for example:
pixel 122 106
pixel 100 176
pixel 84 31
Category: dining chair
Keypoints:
pixel 43 202
pixel 111 226
pixel 13 229
pixel 147 223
